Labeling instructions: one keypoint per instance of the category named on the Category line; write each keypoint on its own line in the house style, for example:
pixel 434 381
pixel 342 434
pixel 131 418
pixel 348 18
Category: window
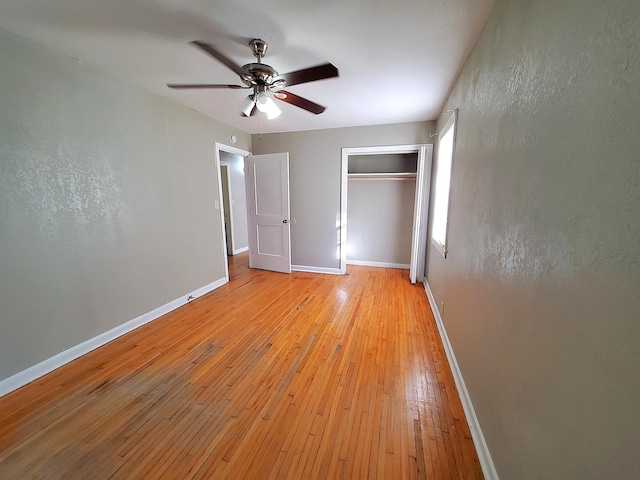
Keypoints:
pixel 442 187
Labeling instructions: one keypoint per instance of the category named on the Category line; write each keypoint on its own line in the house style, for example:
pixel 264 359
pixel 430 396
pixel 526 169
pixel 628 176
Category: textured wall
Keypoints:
pixel 314 174
pixel 106 197
pixel 541 285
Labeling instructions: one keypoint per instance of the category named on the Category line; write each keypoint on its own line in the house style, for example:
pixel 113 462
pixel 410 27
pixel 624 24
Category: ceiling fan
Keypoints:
pixel 264 79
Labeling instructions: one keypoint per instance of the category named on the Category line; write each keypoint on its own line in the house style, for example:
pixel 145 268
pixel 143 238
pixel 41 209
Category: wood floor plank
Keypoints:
pixel 270 376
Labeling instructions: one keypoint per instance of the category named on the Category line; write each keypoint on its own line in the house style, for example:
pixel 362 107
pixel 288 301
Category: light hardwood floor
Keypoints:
pixel 301 376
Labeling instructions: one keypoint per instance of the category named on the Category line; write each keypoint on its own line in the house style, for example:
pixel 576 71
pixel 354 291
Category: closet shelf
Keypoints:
pixel 383 175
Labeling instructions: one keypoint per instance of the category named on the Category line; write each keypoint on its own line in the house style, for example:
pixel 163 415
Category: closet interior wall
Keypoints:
pixel 380 204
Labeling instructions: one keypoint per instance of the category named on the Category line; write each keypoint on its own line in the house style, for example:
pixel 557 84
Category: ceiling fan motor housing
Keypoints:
pixel 258 74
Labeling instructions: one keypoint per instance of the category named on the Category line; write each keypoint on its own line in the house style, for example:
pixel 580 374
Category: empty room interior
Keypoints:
pixel 320 240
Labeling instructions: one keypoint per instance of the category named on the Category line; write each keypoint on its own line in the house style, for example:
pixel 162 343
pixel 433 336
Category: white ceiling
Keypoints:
pixel 397 58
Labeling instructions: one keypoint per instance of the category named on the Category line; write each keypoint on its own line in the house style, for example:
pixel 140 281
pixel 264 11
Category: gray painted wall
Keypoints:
pixel 238 199
pixel 314 175
pixel 106 197
pixel 380 220
pixel 541 284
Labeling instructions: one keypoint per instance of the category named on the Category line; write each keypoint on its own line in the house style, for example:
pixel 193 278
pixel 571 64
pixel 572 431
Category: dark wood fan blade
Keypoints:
pixel 303 103
pixel 203 85
pixel 221 57
pixel 309 74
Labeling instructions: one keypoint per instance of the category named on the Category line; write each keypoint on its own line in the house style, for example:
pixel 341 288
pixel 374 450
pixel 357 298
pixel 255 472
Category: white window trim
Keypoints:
pixel 450 123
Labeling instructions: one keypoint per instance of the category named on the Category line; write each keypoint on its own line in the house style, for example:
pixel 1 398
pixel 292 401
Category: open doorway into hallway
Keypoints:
pixel 233 207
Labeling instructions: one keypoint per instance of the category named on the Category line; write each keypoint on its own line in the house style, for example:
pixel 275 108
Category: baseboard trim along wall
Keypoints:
pixel 366 263
pixel 241 250
pixel 304 268
pixel 486 463
pixel 32 373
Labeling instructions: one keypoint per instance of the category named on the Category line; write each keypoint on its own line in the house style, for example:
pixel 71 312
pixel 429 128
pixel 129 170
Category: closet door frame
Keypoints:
pixel 421 206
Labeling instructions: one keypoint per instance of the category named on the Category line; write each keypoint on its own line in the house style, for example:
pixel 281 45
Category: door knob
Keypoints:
pixel 284 221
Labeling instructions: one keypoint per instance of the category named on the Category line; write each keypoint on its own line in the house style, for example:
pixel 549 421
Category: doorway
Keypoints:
pixel 226 206
pixel 231 195
pixel 387 173
pixel 234 200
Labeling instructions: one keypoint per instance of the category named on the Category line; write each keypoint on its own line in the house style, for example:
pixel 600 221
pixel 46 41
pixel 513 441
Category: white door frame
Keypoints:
pixel 221 147
pixel 423 183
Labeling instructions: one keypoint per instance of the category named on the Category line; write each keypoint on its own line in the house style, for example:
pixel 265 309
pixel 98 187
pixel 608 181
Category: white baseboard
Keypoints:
pixel 240 250
pixel 32 373
pixel 304 268
pixel 486 463
pixel 367 263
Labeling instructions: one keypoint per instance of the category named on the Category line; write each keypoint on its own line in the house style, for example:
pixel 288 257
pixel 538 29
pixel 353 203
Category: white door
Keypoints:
pixel 420 211
pixel 267 183
pixel 417 217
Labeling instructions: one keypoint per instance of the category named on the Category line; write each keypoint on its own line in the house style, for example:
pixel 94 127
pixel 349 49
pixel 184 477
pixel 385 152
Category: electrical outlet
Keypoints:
pixel 442 309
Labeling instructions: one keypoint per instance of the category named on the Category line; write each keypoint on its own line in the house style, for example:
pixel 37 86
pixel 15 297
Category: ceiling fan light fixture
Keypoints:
pixel 246 105
pixel 262 102
pixel 266 105
pixel 274 111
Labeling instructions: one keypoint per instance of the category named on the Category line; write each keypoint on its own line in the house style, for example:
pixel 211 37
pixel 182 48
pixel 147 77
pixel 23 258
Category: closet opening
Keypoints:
pixel 384 203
